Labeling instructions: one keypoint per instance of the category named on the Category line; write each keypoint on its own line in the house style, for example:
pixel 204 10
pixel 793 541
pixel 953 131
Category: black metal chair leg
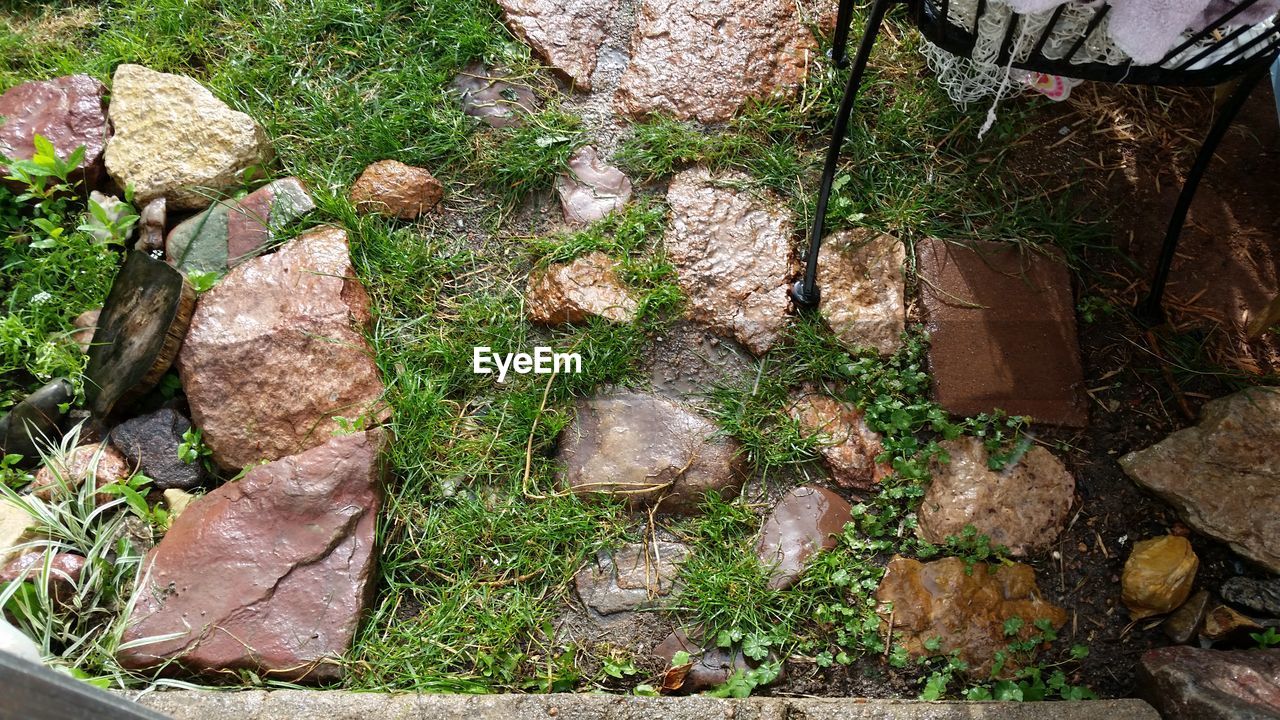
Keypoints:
pixel 1151 310
pixel 840 43
pixel 805 292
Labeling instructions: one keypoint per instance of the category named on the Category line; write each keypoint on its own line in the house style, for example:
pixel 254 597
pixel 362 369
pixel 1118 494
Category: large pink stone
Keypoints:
pixel 275 353
pixel 68 111
pixel 269 573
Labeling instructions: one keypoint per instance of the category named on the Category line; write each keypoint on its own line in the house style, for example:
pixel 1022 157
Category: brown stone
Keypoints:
pixel 1183 624
pixel 1002 331
pixel 1222 476
pixel 572 292
pixel 863 298
pixel 68 111
pixel 806 521
pixel 709 665
pixel 731 252
pixel 648 450
pixel 966 610
pixel 633 577
pixel 703 59
pixel 275 352
pixel 151 225
pixel 389 187
pixel 1196 684
pixel 63 577
pixel 269 573
pixel 486 94
pixel 592 189
pixel 1223 623
pixel 85 323
pixel 849 448
pixel 565 33
pixel 64 478
pixel 1158 575
pixel 1023 507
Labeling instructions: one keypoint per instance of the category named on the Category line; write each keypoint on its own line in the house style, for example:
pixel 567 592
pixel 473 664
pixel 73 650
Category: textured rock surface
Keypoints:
pixel 633 577
pixel 1002 331
pixel 731 253
pixel 1261 596
pixel 85 323
pixel 1184 623
pixel 1223 475
pixel 565 33
pixel 269 573
pixel 863 287
pixel 68 111
pixel 232 231
pixel 173 138
pixel 389 187
pixel 64 572
pixel 150 444
pixel 103 462
pixel 572 292
pixel 484 94
pixel 16 528
pixel 1223 623
pixel 1186 682
pixel 1158 575
pixel 274 353
pixel 849 447
pixel 1023 507
pixel 34 422
pixel 806 521
pixel 151 224
pixel 710 665
pixel 648 450
pixel 967 611
pixel 703 59
pixel 592 188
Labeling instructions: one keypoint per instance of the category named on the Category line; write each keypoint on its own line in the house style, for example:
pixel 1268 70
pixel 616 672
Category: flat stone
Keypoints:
pixel 849 448
pixel 1261 596
pixel 229 232
pixel 68 111
pixel 269 573
pixel 1158 575
pixel 150 444
pixel 567 34
pixel 361 705
pixel 392 188
pixel 62 479
pixel 1187 682
pixel 863 289
pixel 648 450
pixel 592 189
pixel 966 610
pixel 487 95
pixel 710 665
pixel 704 59
pixel 634 577
pixel 16 527
pixel 1223 623
pixel 1023 507
pixel 731 251
pixel 1184 623
pixel 64 572
pixel 34 423
pixel 174 139
pixel 1002 331
pixel 275 352
pixel 806 521
pixel 1223 475
pixel 177 501
pixel 572 292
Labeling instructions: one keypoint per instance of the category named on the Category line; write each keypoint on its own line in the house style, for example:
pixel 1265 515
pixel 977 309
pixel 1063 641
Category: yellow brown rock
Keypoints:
pixel 967 611
pixel 389 187
pixel 1222 622
pixel 1158 576
pixel 864 289
pixel 572 292
pixel 64 476
pixel 849 448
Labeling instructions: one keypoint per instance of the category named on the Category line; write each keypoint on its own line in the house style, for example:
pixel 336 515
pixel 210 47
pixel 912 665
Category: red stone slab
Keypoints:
pixel 1002 330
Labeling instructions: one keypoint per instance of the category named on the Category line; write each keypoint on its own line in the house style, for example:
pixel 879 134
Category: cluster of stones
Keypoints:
pixel 269 572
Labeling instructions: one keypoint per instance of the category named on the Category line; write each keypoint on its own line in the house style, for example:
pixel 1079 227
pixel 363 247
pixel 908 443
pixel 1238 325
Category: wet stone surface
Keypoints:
pixel 1261 596
pixel 565 33
pixel 710 665
pixel 862 279
pixel 485 94
pixel 592 189
pixel 1158 575
pixel 805 522
pixel 633 577
pixel 150 444
pixel 1186 682
pixel 572 292
pixel 849 448
pixel 68 111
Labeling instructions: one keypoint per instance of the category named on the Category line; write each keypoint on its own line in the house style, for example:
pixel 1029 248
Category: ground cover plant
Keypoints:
pixel 479 541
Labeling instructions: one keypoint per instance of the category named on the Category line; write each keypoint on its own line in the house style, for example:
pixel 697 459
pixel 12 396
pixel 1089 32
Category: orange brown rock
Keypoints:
pixel 390 187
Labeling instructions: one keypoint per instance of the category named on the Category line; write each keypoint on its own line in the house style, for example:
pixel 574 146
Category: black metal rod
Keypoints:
pixel 1038 50
pixel 805 293
pixel 840 44
pixel 1088 31
pixel 1151 309
pixel 1206 31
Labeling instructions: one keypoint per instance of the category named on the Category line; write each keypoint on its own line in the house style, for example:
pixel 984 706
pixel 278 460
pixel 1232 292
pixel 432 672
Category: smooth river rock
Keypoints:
pixel 731 249
pixel 806 521
pixel 486 94
pixel 648 450
pixel 275 352
pixel 1023 507
pixel 1158 576
pixel 1223 475
pixel 174 139
pixel 574 291
pixel 269 573
pixel 392 188
pixel 863 282
pixel 704 59
pixel 1194 684
pixel 68 111
pixel 567 34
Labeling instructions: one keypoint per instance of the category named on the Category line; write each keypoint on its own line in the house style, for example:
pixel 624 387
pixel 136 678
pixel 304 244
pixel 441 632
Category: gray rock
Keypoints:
pixel 34 422
pixel 1223 475
pixel 1191 683
pixel 150 444
pixel 486 95
pixel 592 188
pixel 1262 596
pixel 1184 623
pixel 15 643
pixel 633 577
pixel 648 450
